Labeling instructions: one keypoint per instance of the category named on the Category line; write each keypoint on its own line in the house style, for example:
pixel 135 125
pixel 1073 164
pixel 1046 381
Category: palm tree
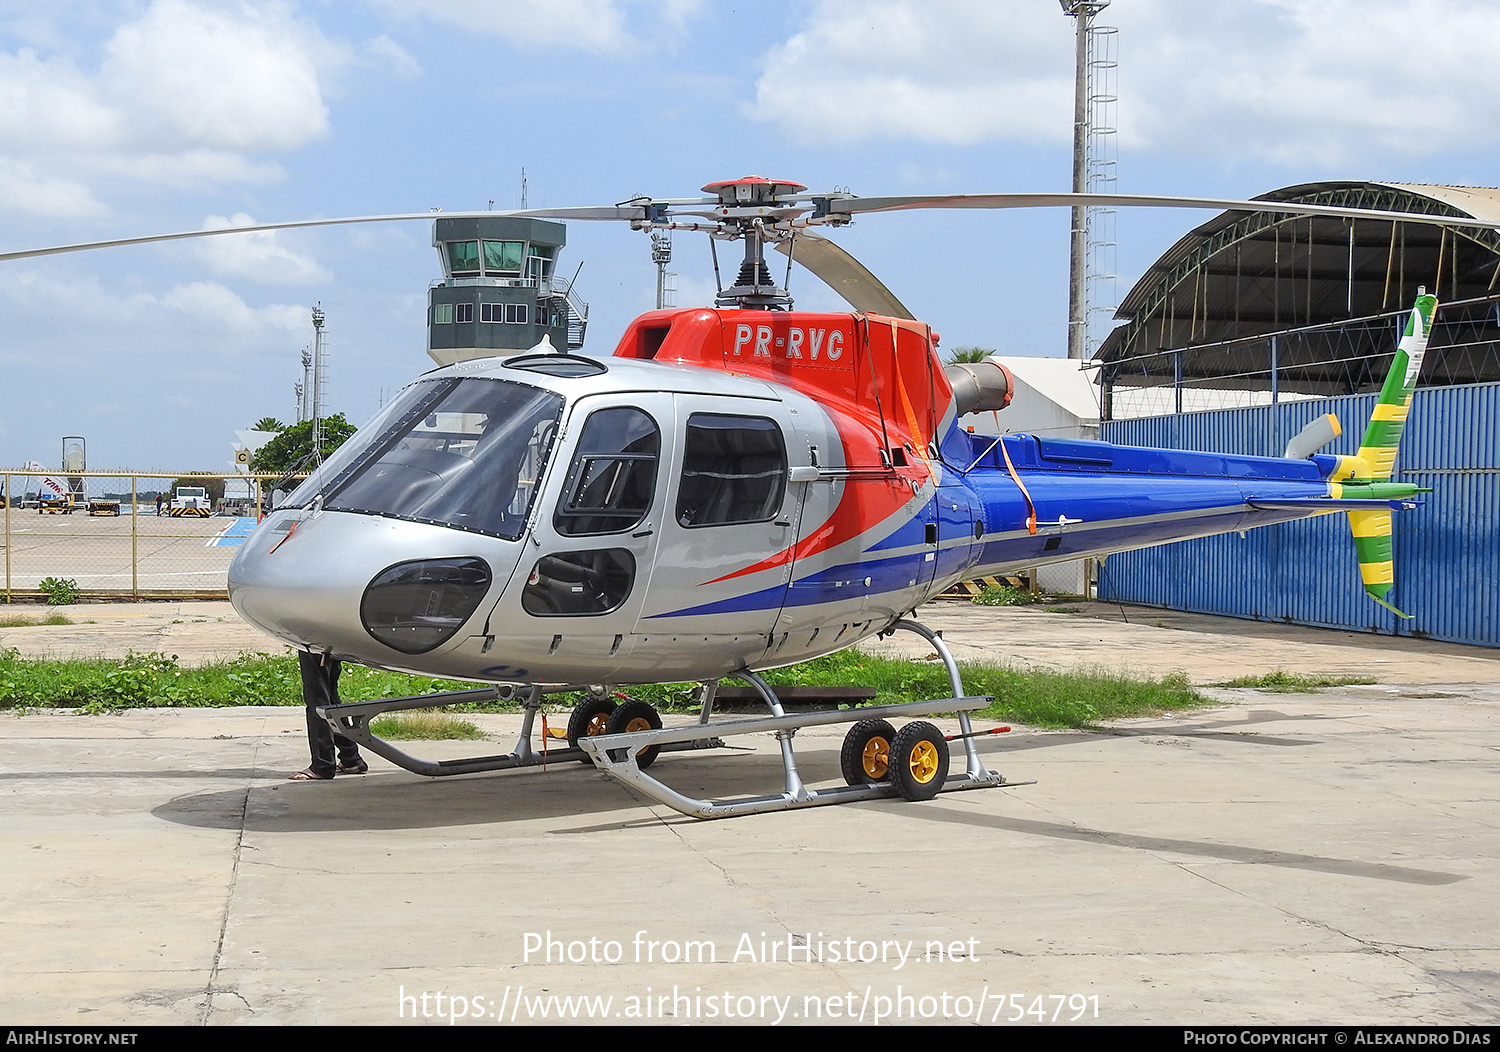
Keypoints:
pixel 970 354
pixel 268 423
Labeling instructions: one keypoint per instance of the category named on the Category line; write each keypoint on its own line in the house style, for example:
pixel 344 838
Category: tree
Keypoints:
pixel 970 354
pixel 268 423
pixel 295 442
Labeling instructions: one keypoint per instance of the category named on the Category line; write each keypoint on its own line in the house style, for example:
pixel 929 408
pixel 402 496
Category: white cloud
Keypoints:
pixel 54 312
pixel 23 189
pixel 255 255
pixel 1292 81
pixel 592 25
pixel 386 53
pixel 1324 81
pixel 193 77
pixel 190 169
pixel 956 71
pixel 221 308
pixel 186 94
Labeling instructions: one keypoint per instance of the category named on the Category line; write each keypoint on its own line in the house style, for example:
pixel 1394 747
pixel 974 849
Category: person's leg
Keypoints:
pixel 350 762
pixel 315 692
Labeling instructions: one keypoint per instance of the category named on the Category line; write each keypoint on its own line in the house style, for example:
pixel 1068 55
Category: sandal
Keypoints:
pixel 309 775
pixel 357 767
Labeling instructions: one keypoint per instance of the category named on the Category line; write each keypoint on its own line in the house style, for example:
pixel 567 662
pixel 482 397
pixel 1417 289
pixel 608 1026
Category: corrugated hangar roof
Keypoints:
pixel 1326 285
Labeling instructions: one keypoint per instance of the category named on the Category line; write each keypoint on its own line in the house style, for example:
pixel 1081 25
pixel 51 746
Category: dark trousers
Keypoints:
pixel 320 686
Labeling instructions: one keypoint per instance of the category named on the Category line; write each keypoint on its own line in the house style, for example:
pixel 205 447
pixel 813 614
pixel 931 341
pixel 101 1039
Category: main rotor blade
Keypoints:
pixel 860 205
pixel 845 275
pixel 603 212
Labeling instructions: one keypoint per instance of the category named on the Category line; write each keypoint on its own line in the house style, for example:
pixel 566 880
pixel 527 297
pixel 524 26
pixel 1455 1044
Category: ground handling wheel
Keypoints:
pixel 919 761
pixel 865 757
pixel 590 717
pixel 633 715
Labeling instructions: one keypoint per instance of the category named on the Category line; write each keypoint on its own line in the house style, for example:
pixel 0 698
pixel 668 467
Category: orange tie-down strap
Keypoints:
pixel 1030 507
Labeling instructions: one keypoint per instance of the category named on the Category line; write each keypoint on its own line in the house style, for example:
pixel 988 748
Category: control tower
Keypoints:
pixel 500 293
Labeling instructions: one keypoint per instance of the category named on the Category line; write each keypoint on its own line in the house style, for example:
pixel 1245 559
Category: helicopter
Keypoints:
pixel 736 488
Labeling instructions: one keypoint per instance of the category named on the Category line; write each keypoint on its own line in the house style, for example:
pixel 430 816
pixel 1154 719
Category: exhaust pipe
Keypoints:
pixel 980 387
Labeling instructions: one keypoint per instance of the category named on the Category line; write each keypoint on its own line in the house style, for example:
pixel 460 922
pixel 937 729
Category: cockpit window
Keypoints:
pixel 613 475
pixel 457 452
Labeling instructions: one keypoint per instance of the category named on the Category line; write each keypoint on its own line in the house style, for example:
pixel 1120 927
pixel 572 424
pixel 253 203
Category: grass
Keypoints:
pixel 22 621
pixel 1040 698
pixel 1008 595
pixel 157 680
pixel 1283 682
pixel 424 725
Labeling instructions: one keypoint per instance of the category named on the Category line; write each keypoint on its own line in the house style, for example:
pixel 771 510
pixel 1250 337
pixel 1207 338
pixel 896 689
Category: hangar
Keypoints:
pixel 1254 323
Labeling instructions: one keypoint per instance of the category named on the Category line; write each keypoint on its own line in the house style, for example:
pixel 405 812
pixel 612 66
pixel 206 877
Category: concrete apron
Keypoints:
pixel 1282 858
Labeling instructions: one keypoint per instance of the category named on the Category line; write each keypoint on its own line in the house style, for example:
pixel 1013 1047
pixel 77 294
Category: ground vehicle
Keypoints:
pixel 189 501
pixel 54 497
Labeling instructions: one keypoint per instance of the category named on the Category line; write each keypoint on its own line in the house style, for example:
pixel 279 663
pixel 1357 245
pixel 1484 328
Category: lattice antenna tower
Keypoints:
pixel 1093 101
pixel 1101 166
pixel 666 281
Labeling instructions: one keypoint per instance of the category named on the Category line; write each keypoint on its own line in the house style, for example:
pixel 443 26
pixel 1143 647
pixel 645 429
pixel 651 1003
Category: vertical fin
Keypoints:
pixel 1383 435
pixel 1377 453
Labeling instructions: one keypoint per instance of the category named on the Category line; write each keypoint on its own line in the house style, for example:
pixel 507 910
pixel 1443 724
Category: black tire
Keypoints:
pixel 633 715
pixel 865 757
pixel 919 761
pixel 590 717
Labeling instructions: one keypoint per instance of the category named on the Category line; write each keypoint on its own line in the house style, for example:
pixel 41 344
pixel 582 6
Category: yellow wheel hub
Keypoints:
pixel 597 725
pixel 640 723
pixel 876 758
pixel 923 762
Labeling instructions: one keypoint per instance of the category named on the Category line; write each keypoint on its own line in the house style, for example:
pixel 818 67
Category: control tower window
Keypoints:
pixel 512 313
pixel 442 314
pixel 539 262
pixel 503 257
pixel 463 258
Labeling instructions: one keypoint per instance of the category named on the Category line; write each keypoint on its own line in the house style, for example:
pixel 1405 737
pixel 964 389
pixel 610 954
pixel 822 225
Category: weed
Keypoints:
pixel 61 591
pixel 1006 595
pixel 1281 681
pixel 22 621
pixel 424 725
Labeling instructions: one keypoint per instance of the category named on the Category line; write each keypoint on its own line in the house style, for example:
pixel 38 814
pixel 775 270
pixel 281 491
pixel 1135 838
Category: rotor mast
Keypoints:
pixel 750 209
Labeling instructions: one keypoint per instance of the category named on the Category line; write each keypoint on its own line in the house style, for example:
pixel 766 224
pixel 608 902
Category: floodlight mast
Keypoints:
pixel 317 384
pixel 1078 329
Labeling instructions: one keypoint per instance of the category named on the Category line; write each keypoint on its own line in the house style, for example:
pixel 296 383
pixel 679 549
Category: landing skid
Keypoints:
pixel 909 765
pixel 352 720
pixel 615 754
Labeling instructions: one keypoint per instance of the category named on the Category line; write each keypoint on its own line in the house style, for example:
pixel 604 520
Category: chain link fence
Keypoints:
pixel 126 535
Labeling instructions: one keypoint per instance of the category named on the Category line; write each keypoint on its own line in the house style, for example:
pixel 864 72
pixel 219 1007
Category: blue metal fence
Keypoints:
pixel 1447 551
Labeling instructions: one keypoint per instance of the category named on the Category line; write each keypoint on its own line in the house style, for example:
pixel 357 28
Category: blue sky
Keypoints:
pixel 123 118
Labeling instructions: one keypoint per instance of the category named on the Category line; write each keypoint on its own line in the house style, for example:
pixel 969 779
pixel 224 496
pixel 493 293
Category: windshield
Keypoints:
pixel 457 452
